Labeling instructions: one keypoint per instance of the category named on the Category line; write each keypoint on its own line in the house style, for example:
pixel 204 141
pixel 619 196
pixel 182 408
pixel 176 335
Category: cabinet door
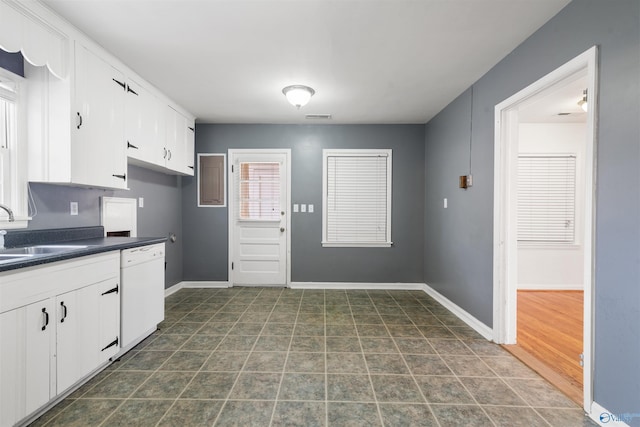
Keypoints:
pixel 87 326
pixel 98 154
pixel 26 335
pixel 142 123
pixel 180 142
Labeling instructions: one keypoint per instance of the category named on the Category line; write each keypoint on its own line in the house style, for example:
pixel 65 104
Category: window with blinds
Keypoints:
pixel 8 126
pixel 259 191
pixel 546 198
pixel 357 198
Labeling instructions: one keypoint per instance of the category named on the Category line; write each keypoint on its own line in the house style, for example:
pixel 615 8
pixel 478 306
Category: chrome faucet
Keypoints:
pixel 9 211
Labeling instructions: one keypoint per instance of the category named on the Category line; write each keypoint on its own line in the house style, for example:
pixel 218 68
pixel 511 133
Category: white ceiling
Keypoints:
pixel 370 61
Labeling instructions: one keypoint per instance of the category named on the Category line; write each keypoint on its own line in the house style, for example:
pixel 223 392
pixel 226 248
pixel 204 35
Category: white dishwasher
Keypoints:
pixel 142 293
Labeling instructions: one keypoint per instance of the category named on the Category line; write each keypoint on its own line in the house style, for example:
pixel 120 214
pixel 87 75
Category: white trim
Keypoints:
pixel 173 289
pixel 608 419
pixel 206 284
pixel 548 287
pixel 462 314
pixel 230 212
pixel 357 285
pixel 504 240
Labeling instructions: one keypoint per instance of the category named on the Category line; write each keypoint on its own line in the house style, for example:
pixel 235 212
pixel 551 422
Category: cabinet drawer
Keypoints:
pixel 19 288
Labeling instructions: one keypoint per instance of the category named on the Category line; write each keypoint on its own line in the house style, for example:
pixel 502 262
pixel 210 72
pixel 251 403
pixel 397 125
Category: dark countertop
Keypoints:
pixel 90 239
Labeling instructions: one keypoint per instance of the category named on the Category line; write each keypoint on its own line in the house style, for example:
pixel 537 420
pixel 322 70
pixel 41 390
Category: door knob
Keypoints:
pixel 282 229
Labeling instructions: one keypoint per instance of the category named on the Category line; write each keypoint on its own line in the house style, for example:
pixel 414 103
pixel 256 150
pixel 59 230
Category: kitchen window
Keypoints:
pixel 356 198
pixel 13 183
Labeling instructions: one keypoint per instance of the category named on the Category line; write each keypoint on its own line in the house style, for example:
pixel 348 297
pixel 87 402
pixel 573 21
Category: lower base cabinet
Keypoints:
pixel 50 344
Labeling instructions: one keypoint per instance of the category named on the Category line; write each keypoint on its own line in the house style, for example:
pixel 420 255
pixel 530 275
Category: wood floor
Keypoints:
pixel 550 326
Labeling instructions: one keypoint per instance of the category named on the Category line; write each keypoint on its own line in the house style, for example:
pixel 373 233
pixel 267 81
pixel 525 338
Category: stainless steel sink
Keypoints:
pixel 13 257
pixel 13 253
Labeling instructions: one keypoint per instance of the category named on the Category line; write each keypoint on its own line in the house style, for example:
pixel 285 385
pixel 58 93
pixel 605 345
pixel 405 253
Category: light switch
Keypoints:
pixel 445 203
pixel 141 202
pixel 295 207
pixel 73 208
pixel 303 208
pixel 310 208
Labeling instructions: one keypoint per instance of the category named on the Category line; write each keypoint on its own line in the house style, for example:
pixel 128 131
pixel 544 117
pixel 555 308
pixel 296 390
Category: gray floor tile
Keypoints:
pixel 538 392
pixel 85 412
pixel 509 367
pixel 273 343
pixel 245 413
pixel 414 345
pixel 231 361
pixel 352 363
pixel 210 385
pixel 443 389
pixel 306 362
pixel 426 364
pixel 139 413
pixel 396 388
pixel 402 415
pixel 468 415
pixel 492 391
pixel 506 416
pixel 164 385
pixel 237 343
pixel 118 385
pixel 448 346
pixel 308 414
pixel 566 417
pixel 302 387
pixel 278 329
pixel 349 387
pixel 256 385
pixel 378 345
pixel 342 344
pixel 192 413
pixel 186 361
pixel 270 361
pixel 386 364
pixel 311 344
pixel 145 361
pixel 468 366
pixel 202 342
pixel 353 414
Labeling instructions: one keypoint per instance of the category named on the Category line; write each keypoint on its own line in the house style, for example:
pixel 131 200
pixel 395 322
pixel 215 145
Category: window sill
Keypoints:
pixel 356 245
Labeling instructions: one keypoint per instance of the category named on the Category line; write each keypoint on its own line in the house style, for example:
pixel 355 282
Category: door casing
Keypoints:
pixel 505 245
pixel 230 221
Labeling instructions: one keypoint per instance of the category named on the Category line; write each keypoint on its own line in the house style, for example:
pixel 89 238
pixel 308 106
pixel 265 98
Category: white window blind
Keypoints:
pixel 259 191
pixel 357 198
pixel 8 126
pixel 546 198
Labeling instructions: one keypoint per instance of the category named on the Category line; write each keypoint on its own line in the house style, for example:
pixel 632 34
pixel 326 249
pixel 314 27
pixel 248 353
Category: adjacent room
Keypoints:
pixel 320 213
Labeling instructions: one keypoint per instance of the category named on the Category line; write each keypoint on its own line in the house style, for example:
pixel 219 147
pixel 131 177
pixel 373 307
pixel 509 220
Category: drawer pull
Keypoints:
pixel 46 318
pixel 64 311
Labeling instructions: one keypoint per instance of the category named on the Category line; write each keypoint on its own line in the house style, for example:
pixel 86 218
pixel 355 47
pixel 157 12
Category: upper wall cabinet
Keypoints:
pixel 178 152
pixel 76 126
pixel 144 128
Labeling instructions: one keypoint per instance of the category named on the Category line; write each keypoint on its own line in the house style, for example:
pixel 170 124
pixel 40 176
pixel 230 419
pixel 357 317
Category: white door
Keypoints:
pixel 259 218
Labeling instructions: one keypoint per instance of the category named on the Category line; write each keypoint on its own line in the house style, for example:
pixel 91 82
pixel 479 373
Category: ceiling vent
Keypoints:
pixel 318 116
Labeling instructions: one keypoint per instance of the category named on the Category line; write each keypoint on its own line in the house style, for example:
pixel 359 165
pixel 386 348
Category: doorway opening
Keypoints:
pixel 544 254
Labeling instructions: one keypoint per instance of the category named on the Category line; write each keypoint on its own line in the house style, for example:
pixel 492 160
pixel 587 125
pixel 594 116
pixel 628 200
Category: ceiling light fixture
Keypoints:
pixel 298 95
pixel 583 102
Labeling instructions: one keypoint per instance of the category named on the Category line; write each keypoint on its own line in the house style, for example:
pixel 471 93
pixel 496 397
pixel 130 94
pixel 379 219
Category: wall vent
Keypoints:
pixel 318 116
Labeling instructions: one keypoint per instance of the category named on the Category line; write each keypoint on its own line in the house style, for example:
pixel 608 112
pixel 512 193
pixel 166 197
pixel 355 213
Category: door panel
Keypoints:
pixel 259 218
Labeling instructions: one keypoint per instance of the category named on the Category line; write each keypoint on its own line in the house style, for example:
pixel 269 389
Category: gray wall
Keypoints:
pixel 464 232
pixel 161 214
pixel 205 229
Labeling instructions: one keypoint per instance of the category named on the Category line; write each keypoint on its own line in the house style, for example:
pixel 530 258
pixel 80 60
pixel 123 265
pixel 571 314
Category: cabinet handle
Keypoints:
pixel 46 318
pixel 111 344
pixel 191 129
pixel 79 120
pixel 169 158
pixel 110 291
pixel 129 90
pixel 124 86
pixel 190 167
pixel 164 156
pixel 123 177
pixel 130 145
pixel 64 311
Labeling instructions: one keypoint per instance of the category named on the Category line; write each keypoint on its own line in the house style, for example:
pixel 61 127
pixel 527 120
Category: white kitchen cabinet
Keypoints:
pixel 144 127
pixel 76 125
pixel 26 334
pixel 178 152
pixel 87 331
pixel 98 145
pixel 59 323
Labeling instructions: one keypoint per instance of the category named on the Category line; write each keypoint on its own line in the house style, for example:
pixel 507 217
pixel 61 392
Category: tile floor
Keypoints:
pixel 276 357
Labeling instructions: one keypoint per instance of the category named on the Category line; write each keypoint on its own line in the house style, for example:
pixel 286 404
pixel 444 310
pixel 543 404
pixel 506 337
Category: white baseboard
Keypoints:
pixel 357 285
pixel 463 315
pixel 605 418
pixel 173 289
pixel 206 284
pixel 546 287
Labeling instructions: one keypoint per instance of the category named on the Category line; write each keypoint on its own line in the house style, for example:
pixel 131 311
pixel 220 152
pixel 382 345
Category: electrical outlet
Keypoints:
pixel 303 208
pixel 310 210
pixel 445 203
pixel 73 208
pixel 295 207
pixel 141 202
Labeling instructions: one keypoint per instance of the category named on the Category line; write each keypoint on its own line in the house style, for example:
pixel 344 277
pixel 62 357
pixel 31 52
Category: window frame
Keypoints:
pixel 18 187
pixel 326 153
